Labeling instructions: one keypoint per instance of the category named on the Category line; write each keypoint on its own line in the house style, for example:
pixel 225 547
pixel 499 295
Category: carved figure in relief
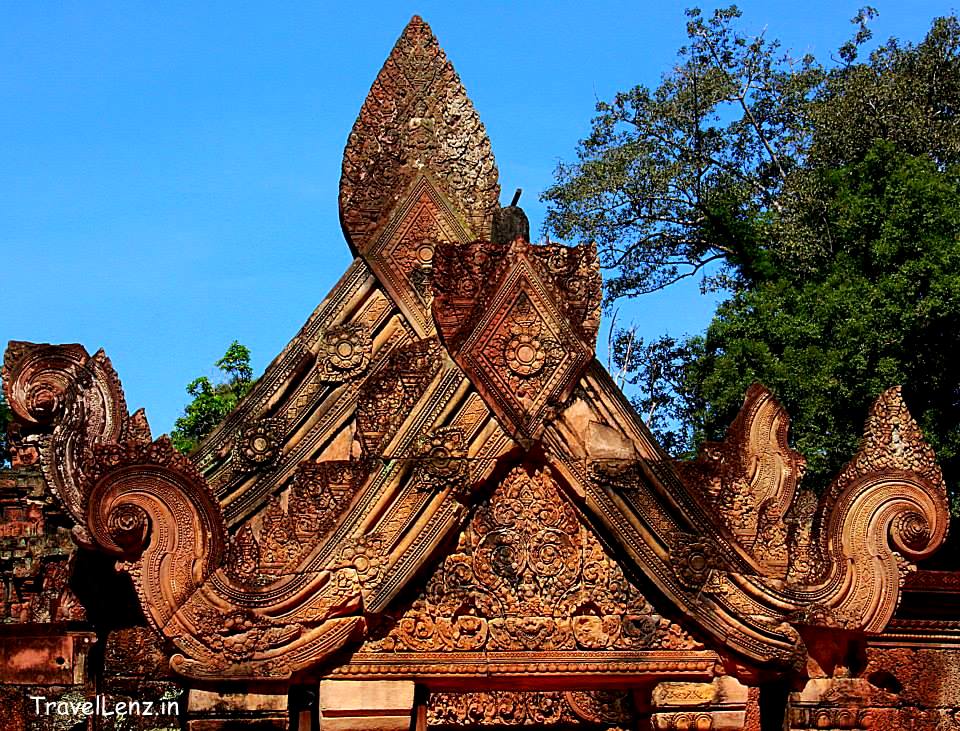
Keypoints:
pixel 528 575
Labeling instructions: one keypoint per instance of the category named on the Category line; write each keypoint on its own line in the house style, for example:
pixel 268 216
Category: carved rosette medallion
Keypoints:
pixel 443 460
pixel 257 445
pixel 690 557
pixel 345 354
pixel 402 253
pixel 508 317
pixel 516 351
pixel 311 557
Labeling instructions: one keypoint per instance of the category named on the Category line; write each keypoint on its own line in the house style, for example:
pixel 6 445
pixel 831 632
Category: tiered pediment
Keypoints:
pixel 527 576
pixel 437 479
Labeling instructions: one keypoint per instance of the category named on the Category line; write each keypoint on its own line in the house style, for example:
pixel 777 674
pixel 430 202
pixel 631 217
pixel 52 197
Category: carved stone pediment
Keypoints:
pixel 526 575
pixel 441 417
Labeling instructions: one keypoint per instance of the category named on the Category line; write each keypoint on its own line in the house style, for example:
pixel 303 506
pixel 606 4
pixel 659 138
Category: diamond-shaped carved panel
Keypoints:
pixel 402 253
pixel 506 317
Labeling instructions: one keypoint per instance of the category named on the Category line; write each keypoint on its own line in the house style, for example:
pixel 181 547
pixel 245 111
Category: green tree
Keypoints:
pixel 676 182
pixel 885 310
pixel 213 402
pixel 823 199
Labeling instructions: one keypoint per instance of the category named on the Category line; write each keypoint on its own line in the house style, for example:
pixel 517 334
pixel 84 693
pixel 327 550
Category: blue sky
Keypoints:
pixel 169 171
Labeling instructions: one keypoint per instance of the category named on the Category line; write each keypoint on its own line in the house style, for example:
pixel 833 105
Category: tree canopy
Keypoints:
pixel 823 199
pixel 213 402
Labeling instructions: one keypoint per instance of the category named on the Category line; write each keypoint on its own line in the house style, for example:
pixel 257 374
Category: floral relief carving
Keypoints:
pixel 442 458
pixel 391 392
pixel 589 709
pixel 528 575
pixel 345 354
pixel 691 559
pixel 257 444
pixel 751 477
pixel 256 573
pixel 504 312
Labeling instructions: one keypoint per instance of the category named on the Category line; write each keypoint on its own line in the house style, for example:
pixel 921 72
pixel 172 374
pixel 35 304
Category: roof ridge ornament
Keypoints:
pixel 417 118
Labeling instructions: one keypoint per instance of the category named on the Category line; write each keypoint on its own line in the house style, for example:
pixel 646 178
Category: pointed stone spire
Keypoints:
pixel 417 122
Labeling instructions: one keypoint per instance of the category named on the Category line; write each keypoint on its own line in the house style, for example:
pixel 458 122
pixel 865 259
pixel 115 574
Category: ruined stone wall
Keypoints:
pixel 51 663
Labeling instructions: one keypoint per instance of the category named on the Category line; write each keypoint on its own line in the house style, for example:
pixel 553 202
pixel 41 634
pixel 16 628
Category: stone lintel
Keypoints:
pixel 719 706
pixel 215 711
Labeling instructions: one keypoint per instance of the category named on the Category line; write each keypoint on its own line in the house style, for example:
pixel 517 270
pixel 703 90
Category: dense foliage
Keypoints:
pixel 825 202
pixel 213 402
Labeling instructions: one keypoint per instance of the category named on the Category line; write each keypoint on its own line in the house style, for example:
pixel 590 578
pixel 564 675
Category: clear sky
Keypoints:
pixel 169 171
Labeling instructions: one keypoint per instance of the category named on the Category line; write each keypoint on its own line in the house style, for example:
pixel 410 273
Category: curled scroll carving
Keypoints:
pixel 149 506
pixel 66 402
pixel 751 477
pixel 890 501
pixel 37 377
pixel 727 540
pixel 887 507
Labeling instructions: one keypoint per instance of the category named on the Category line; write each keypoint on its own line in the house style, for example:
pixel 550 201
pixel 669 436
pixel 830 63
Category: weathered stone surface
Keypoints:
pixel 13 716
pixel 136 652
pixel 236 708
pixel 436 507
pixel 41 655
pixel 35 553
pixel 375 705
pixel 720 705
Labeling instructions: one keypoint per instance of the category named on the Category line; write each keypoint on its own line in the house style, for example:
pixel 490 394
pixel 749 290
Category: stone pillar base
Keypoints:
pixel 366 705
pixel 717 706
